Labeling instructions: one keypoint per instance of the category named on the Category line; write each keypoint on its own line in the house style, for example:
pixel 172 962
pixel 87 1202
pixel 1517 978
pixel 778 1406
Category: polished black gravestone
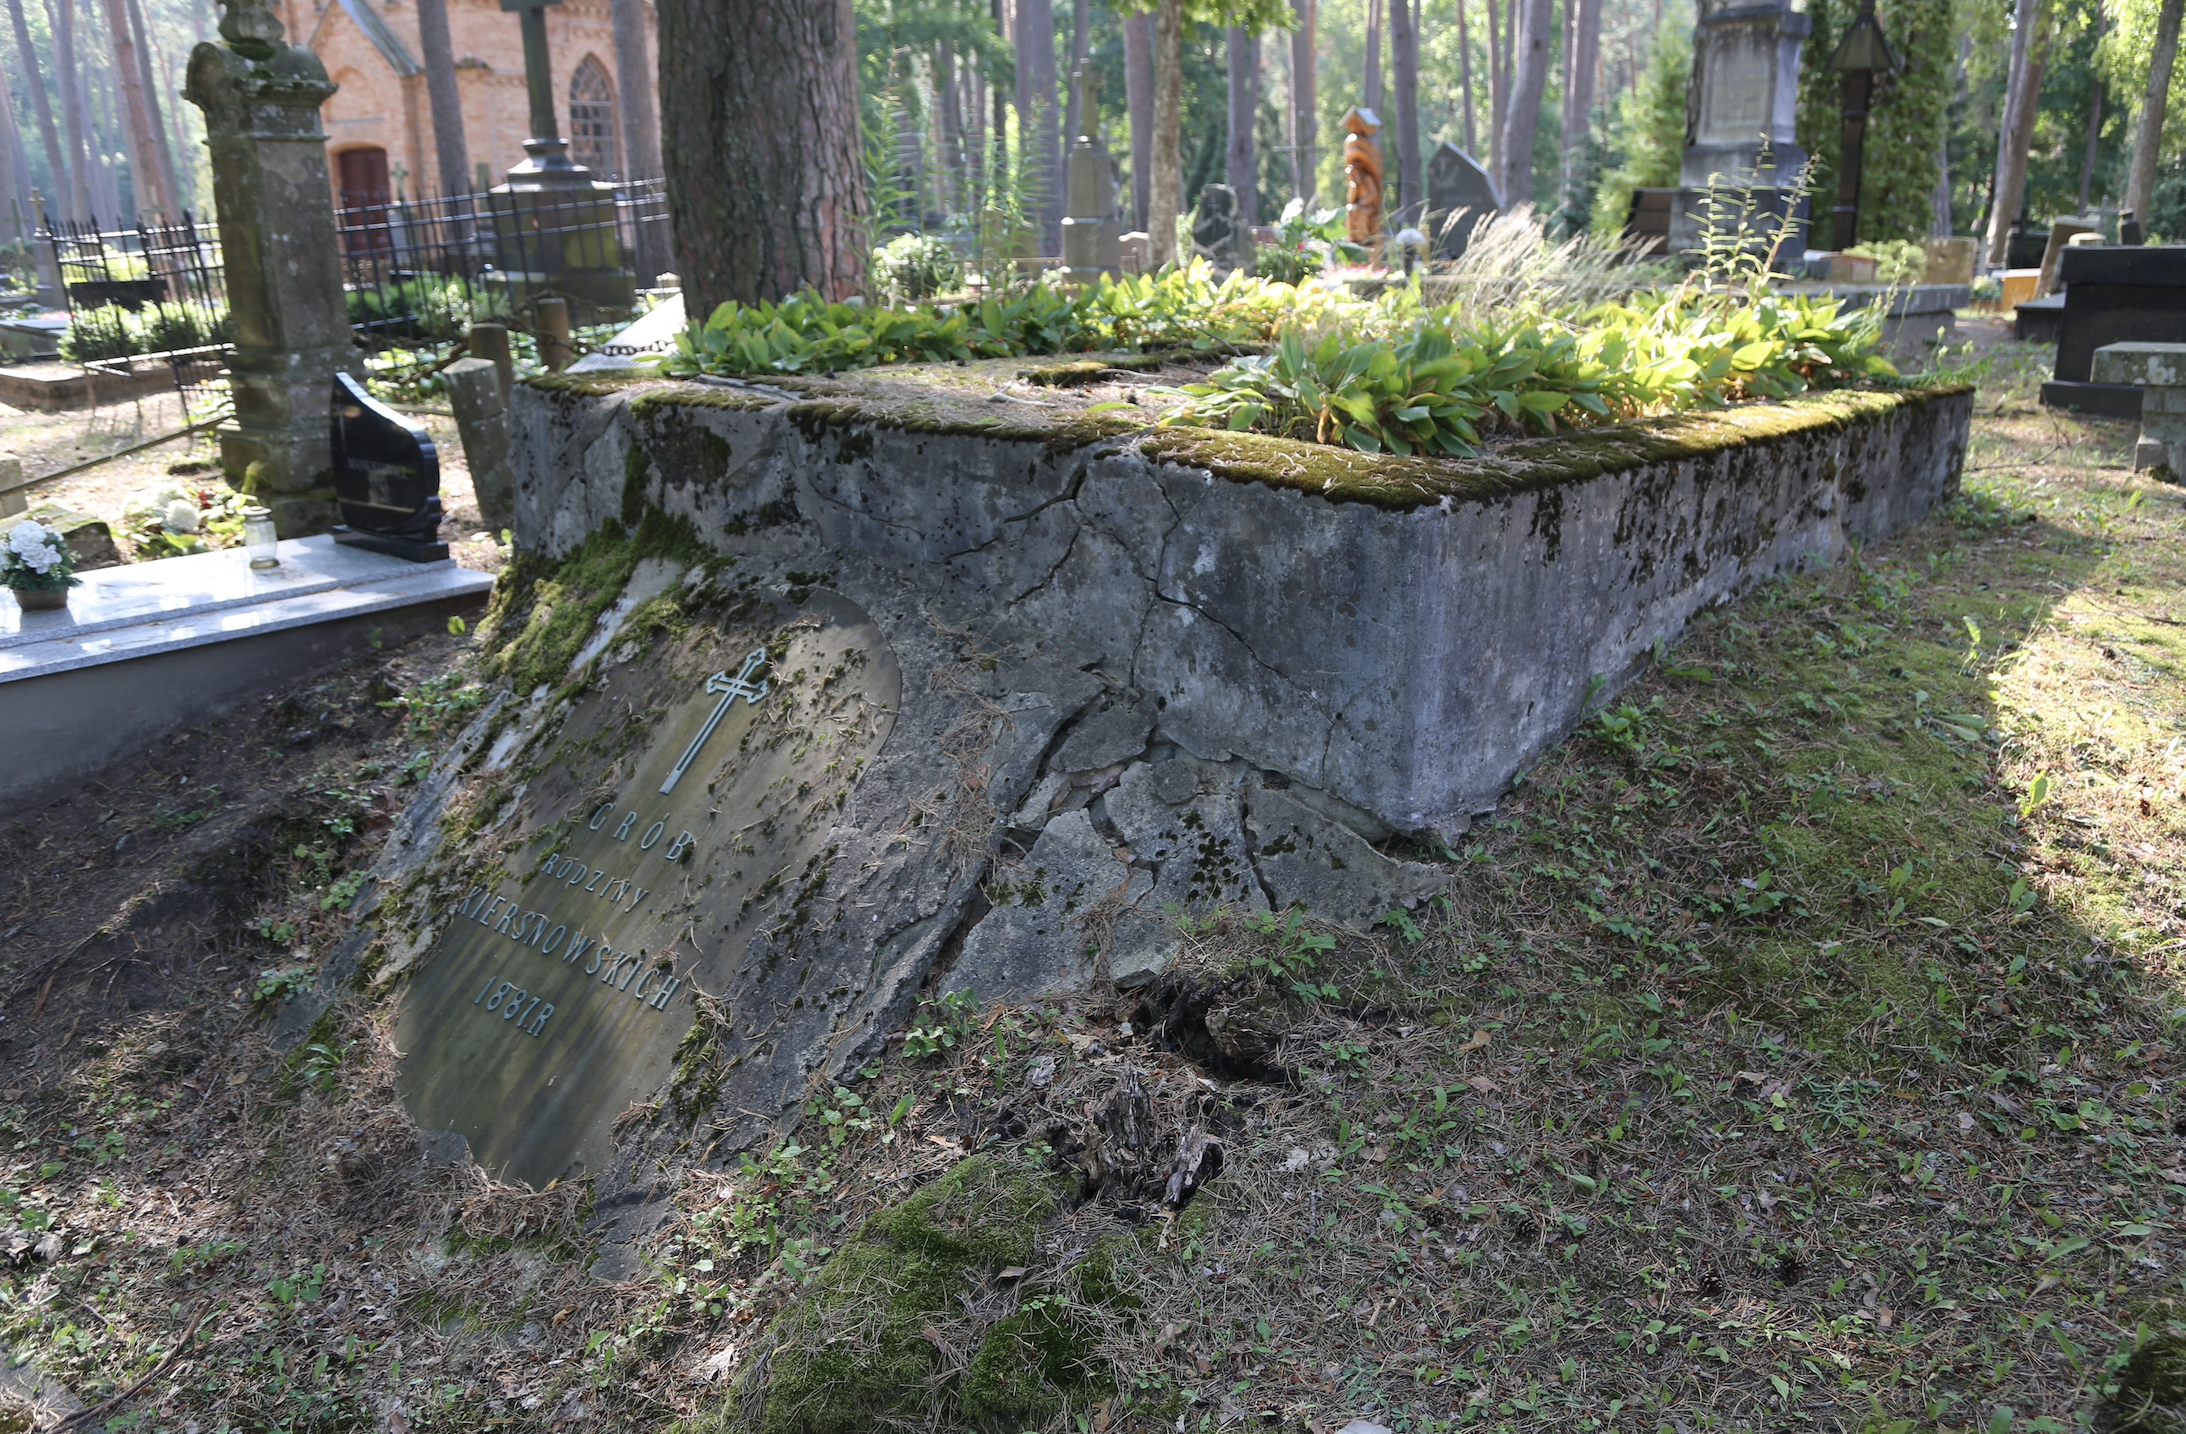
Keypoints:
pixel 386 478
pixel 682 814
pixel 2114 295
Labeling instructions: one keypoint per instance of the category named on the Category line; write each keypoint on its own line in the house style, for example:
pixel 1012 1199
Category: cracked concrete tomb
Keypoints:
pixel 815 695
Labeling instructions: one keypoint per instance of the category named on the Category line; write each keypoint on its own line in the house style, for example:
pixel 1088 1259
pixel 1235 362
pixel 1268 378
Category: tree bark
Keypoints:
pixel 1497 73
pixel 949 119
pixel 1404 64
pixel 14 181
pixel 62 15
pixel 1305 124
pixel 1465 77
pixel 146 74
pixel 1038 121
pixel 450 152
pixel 1138 96
pixel 1074 124
pixel 56 162
pixel 151 187
pixel 1167 190
pixel 766 182
pixel 2094 142
pixel 2020 90
pixel 1000 171
pixel 1372 90
pixel 2148 134
pixel 1241 163
pixel 636 83
pixel 1530 19
pixel 1582 49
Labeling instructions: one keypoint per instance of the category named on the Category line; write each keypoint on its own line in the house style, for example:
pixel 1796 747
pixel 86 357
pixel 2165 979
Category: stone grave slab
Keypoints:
pixel 1460 197
pixel 677 822
pixel 2113 295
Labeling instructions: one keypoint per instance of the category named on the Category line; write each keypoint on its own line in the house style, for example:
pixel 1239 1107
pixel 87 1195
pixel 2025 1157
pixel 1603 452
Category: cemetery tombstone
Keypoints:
pixel 1217 236
pixel 1090 228
pixel 667 851
pixel 2113 294
pixel 1460 197
pixel 386 478
pixel 1741 110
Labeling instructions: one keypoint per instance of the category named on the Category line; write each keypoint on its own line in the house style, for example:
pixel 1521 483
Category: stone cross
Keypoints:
pixel 1088 83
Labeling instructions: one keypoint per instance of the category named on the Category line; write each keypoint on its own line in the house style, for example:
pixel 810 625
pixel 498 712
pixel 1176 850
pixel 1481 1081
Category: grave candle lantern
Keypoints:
pixel 260 540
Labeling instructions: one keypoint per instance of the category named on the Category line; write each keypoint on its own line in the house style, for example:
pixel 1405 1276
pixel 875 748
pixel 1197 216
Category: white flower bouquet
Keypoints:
pixel 36 559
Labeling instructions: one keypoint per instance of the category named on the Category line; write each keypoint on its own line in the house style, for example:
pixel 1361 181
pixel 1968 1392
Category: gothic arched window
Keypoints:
pixel 592 118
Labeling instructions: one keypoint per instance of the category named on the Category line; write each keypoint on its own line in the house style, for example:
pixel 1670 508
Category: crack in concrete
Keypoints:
pixel 1068 495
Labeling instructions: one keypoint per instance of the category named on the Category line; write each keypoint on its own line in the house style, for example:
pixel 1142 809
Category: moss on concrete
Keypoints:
pixel 1338 474
pixel 543 610
pixel 1077 373
pixel 1532 465
pixel 583 385
pixel 856 1351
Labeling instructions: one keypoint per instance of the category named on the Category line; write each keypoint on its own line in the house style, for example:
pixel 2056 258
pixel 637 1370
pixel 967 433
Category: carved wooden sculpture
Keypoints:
pixel 1362 177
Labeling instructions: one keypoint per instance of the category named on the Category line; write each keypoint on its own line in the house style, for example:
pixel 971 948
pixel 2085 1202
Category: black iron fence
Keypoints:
pixel 419 273
pixel 145 296
pixel 416 274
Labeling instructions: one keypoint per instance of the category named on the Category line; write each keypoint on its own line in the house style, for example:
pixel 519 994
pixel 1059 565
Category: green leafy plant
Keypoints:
pixel 941 1026
pixel 918 266
pixel 276 984
pixel 1295 951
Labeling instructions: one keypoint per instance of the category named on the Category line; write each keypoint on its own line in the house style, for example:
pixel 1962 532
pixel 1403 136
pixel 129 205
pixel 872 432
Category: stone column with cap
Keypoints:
pixel 288 322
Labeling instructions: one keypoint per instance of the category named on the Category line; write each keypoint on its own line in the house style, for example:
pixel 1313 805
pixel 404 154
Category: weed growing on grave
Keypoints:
pixel 941 1026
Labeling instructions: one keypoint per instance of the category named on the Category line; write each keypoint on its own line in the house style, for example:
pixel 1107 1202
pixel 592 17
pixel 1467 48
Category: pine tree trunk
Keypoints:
pixel 1168 157
pixel 636 82
pixel 1075 124
pixel 2148 134
pixel 1038 122
pixel 151 189
pixel 2094 144
pixel 450 152
pixel 1582 48
pixel 56 162
pixel 147 75
pixel 61 15
pixel 1305 124
pixel 1138 92
pixel 1465 78
pixel 1373 56
pixel 1530 18
pixel 1496 90
pixel 949 117
pixel 2022 88
pixel 766 184
pixel 14 181
pixel 1404 64
pixel 1241 166
pixel 1001 161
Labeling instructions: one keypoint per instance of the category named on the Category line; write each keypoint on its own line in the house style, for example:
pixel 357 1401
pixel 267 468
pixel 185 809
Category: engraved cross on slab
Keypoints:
pixel 730 689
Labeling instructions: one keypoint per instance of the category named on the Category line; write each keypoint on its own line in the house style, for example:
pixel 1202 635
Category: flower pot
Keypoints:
pixel 41 599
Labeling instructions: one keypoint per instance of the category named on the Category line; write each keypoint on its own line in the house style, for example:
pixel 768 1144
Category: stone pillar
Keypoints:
pixel 1744 92
pixel 482 421
pixel 287 317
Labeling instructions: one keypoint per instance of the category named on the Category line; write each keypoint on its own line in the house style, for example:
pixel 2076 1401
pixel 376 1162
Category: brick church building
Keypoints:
pixel 379 125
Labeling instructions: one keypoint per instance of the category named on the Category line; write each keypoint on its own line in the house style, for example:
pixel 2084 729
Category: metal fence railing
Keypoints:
pixel 148 294
pixel 418 273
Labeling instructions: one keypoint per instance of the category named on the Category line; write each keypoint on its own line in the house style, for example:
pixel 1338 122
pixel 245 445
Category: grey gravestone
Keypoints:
pixel 386 478
pixel 1742 100
pixel 482 422
pixel 651 869
pixel 1460 196
pixel 1218 235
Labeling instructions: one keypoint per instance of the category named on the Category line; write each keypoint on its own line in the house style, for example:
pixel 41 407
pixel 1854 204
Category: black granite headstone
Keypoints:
pixel 386 478
pixel 2114 295
pixel 684 812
